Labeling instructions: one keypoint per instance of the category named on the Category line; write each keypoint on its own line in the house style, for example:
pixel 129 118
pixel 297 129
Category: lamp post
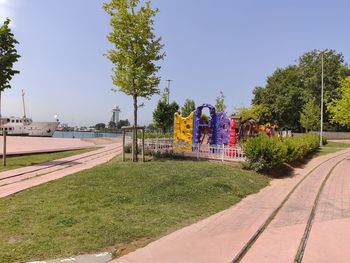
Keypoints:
pixel 169 81
pixel 322 89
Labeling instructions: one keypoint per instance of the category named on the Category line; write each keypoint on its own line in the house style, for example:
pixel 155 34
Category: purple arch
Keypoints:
pixel 211 124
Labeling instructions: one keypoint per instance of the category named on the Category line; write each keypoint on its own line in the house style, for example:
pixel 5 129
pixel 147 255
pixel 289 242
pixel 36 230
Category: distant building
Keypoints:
pixel 115 114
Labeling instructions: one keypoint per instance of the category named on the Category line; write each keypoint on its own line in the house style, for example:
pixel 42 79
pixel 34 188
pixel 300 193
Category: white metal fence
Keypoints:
pixel 211 152
pixel 158 145
pixel 218 152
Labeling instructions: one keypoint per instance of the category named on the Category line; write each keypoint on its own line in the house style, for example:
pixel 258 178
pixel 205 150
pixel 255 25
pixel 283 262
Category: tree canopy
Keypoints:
pixel 288 89
pixel 122 123
pixel 310 116
pixel 258 111
pixel 220 103
pixel 136 49
pixel 8 57
pixel 188 107
pixel 100 126
pixel 340 108
pixel 163 115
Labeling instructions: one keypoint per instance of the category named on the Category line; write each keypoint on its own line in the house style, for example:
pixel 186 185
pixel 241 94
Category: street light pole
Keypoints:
pixel 169 80
pixel 322 88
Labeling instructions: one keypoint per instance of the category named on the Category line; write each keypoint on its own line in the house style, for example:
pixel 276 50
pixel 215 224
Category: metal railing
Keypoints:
pixel 210 152
pixel 218 152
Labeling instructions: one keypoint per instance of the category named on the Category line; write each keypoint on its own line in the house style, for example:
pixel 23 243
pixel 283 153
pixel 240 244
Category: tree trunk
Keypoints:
pixel 134 132
pixel 0 105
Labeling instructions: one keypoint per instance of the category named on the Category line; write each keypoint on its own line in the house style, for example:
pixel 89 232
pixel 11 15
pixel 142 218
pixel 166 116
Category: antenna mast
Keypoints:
pixel 24 106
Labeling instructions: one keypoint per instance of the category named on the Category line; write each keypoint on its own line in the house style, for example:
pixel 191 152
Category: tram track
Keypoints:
pixel 303 242
pixel 56 166
pixel 302 246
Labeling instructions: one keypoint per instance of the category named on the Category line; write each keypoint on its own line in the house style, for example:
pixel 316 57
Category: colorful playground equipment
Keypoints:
pixel 183 131
pixel 194 129
pixel 217 129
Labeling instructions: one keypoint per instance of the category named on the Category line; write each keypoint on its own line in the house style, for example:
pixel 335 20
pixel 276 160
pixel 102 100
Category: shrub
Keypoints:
pixel 155 135
pixel 128 148
pixel 263 152
pixel 299 147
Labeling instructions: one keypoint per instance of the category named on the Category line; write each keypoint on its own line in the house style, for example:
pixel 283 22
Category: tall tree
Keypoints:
pixel 340 108
pixel 122 123
pixel 163 115
pixel 135 53
pixel 220 103
pixel 334 71
pixel 100 126
pixel 8 57
pixel 283 96
pixel 288 89
pixel 188 107
pixel 258 111
pixel 310 116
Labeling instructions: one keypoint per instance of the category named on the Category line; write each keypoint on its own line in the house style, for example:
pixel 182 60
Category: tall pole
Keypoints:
pixel 4 147
pixel 169 80
pixel 24 106
pixel 322 87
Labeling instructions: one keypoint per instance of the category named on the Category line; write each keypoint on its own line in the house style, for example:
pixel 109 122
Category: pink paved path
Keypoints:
pixel 220 237
pixel 330 236
pixel 17 180
pixel 21 145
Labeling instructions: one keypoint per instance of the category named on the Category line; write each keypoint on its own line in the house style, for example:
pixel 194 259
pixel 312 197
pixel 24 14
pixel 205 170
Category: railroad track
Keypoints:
pixel 326 168
pixel 54 166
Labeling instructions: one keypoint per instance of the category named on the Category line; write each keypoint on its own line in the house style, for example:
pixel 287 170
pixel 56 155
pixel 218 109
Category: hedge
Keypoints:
pixel 264 153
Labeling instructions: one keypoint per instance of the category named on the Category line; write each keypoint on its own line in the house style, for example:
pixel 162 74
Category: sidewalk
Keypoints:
pixel 220 237
pixel 42 173
pixel 28 145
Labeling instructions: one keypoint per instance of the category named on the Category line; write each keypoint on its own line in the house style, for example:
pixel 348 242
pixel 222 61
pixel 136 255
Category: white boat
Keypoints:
pixel 23 126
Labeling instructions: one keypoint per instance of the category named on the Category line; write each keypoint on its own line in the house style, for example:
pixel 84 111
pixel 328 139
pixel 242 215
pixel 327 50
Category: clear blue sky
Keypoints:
pixel 211 46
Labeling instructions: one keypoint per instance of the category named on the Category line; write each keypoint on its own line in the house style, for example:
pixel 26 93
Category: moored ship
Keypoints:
pixel 23 126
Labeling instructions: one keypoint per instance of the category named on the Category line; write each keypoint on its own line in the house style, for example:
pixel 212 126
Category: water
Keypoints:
pixel 71 134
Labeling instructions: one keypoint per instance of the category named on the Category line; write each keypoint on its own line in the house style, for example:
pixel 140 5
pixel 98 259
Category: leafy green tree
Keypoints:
pixel 100 126
pixel 310 116
pixel 122 123
pixel 188 107
pixel 8 57
pixel 258 111
pixel 283 96
pixel 289 89
pixel 340 108
pixel 220 103
pixel 334 71
pixel 135 53
pixel 163 115
pixel 112 124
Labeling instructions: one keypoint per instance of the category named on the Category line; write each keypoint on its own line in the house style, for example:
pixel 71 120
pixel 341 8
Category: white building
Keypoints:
pixel 115 114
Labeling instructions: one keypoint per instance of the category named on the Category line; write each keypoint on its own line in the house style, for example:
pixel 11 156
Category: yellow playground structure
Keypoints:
pixel 183 132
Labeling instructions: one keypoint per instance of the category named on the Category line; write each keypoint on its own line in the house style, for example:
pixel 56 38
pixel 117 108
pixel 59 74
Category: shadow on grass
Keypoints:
pixel 286 170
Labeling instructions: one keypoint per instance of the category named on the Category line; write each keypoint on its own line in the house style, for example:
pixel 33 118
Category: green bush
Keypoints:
pixel 299 147
pixel 155 135
pixel 264 153
pixel 128 148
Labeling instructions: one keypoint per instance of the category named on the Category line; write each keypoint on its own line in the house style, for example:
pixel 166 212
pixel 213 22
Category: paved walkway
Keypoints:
pixel 14 181
pixel 94 258
pixel 222 237
pixel 25 145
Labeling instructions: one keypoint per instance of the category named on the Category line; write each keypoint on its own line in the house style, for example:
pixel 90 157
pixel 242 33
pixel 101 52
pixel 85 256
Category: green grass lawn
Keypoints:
pixel 332 147
pixel 117 205
pixel 14 162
